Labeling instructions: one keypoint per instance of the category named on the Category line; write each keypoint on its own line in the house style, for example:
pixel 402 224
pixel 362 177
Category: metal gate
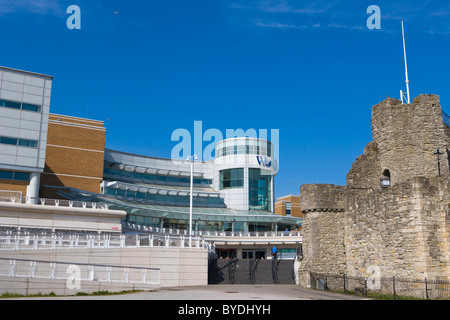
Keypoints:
pixel 251 271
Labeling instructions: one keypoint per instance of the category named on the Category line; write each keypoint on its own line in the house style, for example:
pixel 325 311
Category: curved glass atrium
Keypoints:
pixel 160 198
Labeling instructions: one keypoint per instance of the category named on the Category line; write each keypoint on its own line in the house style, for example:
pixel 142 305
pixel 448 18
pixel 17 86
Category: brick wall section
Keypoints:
pixel 75 154
pixel 8 185
pixel 280 206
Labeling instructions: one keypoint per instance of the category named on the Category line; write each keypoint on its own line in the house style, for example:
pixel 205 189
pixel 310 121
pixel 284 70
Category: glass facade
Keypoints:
pixel 232 178
pixel 259 185
pixel 288 208
pixel 244 146
pixel 199 225
pixel 123 175
pixel 167 199
pixel 156 194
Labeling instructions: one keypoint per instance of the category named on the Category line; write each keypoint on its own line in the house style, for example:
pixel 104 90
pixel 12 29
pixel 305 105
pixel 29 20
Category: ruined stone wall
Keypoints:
pixel 402 229
pixel 323 230
pixel 408 135
pixel 366 170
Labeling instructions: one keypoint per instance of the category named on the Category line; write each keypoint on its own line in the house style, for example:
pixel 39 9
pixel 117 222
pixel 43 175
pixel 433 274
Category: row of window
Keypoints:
pixel 198 225
pixel 259 186
pixel 244 146
pixel 288 208
pixel 183 201
pixel 19 142
pixel 232 178
pixel 14 175
pixel 259 190
pixel 154 178
pixel 225 151
pixel 20 105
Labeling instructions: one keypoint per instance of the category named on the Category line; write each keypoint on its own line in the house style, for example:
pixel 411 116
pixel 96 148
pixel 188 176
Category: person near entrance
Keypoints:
pixel 274 251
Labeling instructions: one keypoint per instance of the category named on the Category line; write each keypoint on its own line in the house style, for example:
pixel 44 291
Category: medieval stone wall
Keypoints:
pixel 402 229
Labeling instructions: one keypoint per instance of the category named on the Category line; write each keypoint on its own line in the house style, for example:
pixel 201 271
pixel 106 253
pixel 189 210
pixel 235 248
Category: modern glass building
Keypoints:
pixel 233 192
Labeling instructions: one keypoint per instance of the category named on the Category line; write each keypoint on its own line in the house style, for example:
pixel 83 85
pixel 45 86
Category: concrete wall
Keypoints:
pixel 53 217
pixel 179 267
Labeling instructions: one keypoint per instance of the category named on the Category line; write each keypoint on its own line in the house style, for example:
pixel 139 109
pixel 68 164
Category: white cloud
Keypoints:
pixel 31 6
pixel 284 6
pixel 430 17
pixel 278 25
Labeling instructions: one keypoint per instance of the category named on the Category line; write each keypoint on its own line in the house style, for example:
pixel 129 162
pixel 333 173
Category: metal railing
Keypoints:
pixel 206 233
pixel 383 287
pixel 17 198
pixel 10 240
pixel 74 272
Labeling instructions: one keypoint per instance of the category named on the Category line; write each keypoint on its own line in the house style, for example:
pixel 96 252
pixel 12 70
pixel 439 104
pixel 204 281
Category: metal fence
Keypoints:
pixel 10 240
pixel 16 197
pixel 383 287
pixel 75 272
pixel 209 233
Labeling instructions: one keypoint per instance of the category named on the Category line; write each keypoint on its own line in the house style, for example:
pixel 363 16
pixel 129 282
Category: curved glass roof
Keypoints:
pixel 172 212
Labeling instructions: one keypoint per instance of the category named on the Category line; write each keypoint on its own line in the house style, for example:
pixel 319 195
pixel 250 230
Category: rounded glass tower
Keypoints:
pixel 244 170
pixel 244 145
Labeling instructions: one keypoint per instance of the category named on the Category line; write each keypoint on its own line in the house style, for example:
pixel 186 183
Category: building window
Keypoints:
pixel 8 140
pixel 166 199
pixel 259 190
pixel 19 142
pixel 13 175
pixel 6 175
pixel 288 208
pixel 20 106
pixel 232 178
pixel 244 146
pixel 31 107
pixel 28 143
pixel 153 179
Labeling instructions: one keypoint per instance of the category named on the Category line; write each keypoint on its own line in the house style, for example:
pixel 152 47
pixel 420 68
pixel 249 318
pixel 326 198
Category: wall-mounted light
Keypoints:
pixel 385 182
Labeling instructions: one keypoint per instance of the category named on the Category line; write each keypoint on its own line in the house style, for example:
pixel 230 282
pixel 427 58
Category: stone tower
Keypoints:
pixel 405 140
pixel 394 211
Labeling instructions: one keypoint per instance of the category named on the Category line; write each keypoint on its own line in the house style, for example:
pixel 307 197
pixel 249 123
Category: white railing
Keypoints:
pixel 73 272
pixel 14 198
pixel 27 241
pixel 142 228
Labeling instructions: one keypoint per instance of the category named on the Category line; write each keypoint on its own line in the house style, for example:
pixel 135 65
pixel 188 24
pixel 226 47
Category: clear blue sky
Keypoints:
pixel 311 69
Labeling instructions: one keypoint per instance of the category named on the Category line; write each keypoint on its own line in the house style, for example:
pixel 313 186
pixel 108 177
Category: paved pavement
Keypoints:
pixel 220 292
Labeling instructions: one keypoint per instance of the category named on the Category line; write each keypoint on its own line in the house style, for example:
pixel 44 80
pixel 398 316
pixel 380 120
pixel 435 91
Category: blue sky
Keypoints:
pixel 311 69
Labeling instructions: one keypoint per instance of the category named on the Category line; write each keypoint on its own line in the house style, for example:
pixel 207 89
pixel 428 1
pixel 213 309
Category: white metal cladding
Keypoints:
pixel 24 88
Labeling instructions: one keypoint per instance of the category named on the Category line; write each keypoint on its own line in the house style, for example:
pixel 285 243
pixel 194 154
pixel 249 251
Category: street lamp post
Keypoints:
pixel 191 159
pixel 438 156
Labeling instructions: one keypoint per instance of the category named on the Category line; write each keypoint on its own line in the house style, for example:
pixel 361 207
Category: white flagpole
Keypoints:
pixel 406 67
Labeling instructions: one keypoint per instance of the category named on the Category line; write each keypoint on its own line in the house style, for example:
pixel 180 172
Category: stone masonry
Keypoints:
pixel 403 228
